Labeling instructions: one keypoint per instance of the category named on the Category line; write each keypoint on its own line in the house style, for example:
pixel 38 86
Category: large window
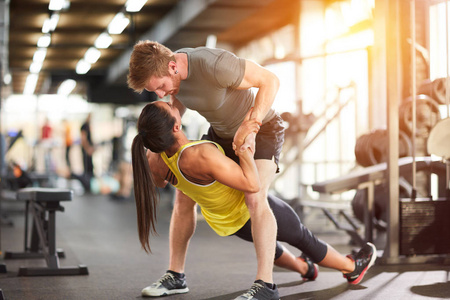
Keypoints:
pixel 439 64
pixel 334 85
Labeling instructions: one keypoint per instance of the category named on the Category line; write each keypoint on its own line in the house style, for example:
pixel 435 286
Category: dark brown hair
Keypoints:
pixel 155 133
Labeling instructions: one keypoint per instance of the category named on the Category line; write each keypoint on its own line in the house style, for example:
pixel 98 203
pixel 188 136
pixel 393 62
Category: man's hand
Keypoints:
pixel 248 126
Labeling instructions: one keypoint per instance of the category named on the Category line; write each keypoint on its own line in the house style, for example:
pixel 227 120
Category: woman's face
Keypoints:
pixel 171 109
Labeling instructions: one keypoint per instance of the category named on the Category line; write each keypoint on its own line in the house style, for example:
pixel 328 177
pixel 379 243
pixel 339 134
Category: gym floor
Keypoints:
pixel 101 233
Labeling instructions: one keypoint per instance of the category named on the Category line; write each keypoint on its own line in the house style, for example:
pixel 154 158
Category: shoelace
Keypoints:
pixel 166 277
pixel 253 290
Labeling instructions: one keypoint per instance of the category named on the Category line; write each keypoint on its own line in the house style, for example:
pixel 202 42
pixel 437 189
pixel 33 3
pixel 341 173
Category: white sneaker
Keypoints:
pixel 168 284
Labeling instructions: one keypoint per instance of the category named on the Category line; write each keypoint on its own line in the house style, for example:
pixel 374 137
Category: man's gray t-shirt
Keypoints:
pixel 211 89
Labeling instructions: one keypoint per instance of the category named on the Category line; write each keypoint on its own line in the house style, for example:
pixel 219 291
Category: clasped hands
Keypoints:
pixel 246 134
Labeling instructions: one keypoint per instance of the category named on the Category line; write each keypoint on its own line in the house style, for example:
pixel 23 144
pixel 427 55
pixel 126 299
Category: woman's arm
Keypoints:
pixel 243 177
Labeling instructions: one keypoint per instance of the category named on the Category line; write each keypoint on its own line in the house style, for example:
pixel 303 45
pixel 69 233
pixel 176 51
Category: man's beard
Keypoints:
pixel 175 85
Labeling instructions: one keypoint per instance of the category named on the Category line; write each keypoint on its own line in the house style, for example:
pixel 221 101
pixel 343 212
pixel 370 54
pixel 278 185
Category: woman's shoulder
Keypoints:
pixel 201 148
pixel 199 153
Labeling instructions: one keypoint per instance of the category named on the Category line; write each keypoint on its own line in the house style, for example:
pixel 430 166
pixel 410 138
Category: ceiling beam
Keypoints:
pixel 177 18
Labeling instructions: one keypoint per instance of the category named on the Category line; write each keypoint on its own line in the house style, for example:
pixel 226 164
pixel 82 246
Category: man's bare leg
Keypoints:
pixel 332 259
pixel 182 227
pixel 264 226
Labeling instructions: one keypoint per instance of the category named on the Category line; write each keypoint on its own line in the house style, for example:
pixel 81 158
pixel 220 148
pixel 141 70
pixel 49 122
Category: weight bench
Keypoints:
pixel 367 178
pixel 44 203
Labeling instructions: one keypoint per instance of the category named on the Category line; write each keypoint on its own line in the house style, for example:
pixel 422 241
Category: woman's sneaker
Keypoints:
pixel 313 270
pixel 364 259
pixel 168 284
pixel 259 291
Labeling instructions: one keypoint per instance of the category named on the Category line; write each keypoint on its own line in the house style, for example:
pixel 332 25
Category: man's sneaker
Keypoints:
pixel 313 270
pixel 168 284
pixel 259 291
pixel 364 259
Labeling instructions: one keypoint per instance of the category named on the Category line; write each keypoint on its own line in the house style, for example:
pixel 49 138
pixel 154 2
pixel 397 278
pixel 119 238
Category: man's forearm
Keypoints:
pixel 264 99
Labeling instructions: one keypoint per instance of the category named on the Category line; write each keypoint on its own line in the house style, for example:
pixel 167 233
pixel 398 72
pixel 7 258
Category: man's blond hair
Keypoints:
pixel 149 58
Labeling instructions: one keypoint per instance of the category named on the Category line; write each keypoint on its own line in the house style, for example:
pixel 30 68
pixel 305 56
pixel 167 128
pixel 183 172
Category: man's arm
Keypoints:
pixel 267 84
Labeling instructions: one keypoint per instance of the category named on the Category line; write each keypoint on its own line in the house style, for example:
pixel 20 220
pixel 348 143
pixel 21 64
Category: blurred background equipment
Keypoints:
pixel 435 89
pixel 427 115
pixel 372 148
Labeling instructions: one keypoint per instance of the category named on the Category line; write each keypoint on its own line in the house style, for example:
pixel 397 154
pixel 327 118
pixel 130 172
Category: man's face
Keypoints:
pixel 163 86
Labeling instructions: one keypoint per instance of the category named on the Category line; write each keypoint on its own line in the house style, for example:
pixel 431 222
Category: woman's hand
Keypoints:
pixel 249 143
pixel 242 138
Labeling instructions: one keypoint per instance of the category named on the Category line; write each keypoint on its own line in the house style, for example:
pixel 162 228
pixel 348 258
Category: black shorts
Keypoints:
pixel 269 141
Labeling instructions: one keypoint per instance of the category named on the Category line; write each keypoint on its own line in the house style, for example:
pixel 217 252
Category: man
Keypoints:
pixel 87 149
pixel 217 84
pixel 68 141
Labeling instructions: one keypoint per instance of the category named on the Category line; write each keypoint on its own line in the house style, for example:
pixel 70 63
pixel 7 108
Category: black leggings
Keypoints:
pixel 290 230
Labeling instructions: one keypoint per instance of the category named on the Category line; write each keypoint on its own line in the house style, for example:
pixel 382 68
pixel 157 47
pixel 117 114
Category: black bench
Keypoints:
pixel 43 204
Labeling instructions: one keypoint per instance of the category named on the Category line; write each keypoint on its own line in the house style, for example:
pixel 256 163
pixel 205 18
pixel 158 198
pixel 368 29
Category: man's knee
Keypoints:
pixel 256 202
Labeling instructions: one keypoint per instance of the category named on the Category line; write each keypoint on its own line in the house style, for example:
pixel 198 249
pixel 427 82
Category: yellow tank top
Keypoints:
pixel 223 207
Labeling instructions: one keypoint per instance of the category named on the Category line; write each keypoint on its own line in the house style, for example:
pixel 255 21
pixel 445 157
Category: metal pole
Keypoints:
pixel 447 82
pixel 447 97
pixel 390 32
pixel 414 92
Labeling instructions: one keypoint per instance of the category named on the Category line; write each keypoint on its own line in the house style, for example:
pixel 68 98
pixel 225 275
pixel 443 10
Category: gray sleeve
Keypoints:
pixel 229 70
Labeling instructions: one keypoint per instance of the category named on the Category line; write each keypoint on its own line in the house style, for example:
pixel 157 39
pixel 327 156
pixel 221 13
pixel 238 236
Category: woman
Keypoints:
pixel 201 170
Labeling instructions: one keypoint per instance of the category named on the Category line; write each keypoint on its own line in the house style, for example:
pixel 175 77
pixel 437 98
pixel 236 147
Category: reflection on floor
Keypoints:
pixel 101 233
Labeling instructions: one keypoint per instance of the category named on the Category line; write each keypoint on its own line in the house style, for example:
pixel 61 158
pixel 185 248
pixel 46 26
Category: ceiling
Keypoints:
pixel 175 23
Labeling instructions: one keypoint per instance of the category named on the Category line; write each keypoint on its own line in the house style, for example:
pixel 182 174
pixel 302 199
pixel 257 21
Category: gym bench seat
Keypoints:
pixel 43 203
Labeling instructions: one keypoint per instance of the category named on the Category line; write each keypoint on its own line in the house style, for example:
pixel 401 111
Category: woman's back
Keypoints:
pixel 223 207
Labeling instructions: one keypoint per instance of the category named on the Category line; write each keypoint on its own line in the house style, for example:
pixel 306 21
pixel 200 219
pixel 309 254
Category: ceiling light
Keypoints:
pixel 58 5
pixel 82 67
pixel 92 55
pixel 211 41
pixel 103 41
pixel 30 84
pixel 35 67
pixel 50 23
pixel 44 41
pixel 7 78
pixel 66 87
pixel 134 5
pixel 47 25
pixel 39 55
pixel 118 24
